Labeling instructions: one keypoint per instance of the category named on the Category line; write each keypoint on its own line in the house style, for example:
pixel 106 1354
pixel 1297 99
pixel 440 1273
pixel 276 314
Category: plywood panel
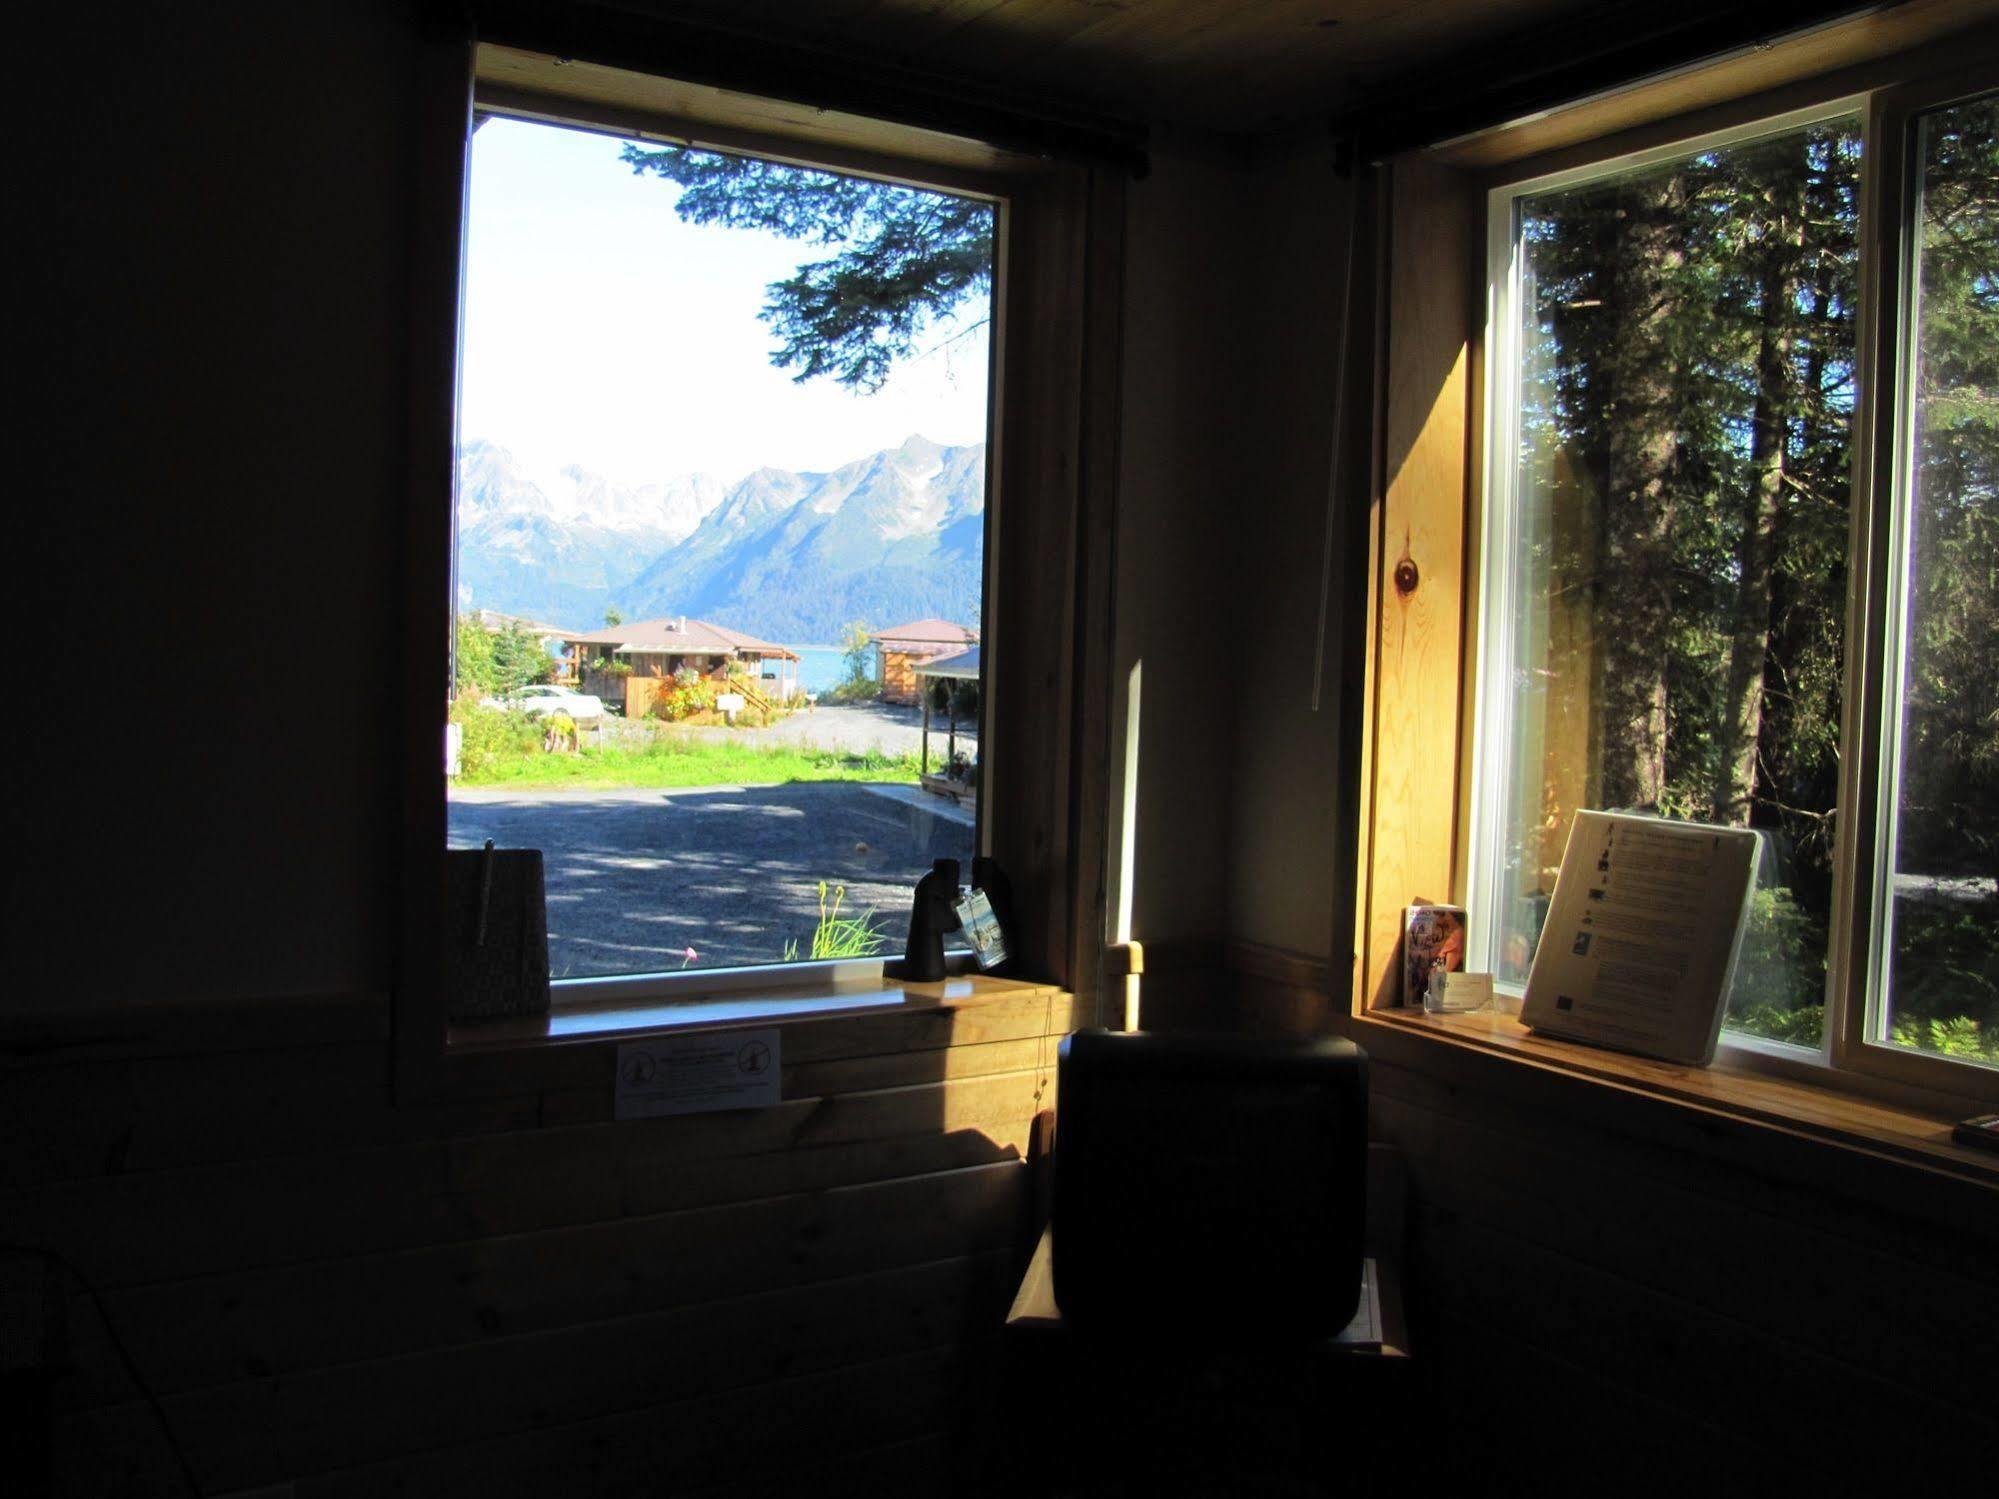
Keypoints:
pixel 1419 627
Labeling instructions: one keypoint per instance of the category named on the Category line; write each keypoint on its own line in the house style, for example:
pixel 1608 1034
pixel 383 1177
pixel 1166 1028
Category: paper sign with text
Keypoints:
pixel 1642 935
pixel 698 1074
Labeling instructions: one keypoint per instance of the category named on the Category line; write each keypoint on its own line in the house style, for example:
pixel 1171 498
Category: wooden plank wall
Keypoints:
pixel 1612 1293
pixel 1596 1300
pixel 517 1295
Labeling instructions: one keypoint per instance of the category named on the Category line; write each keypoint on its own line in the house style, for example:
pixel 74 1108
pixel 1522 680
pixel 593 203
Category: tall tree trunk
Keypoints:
pixel 1741 728
pixel 1634 587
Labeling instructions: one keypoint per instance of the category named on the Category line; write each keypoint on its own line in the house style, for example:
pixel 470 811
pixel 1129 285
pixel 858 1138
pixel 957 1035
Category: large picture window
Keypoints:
pixel 720 544
pixel 1673 546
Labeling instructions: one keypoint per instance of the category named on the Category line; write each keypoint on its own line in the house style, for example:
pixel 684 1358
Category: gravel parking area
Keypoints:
pixel 635 878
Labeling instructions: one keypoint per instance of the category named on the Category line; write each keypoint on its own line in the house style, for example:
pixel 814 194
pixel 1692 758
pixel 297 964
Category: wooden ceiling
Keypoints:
pixel 1237 65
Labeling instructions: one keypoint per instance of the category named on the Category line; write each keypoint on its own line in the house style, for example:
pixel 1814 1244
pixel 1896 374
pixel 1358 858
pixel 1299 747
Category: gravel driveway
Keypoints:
pixel 635 878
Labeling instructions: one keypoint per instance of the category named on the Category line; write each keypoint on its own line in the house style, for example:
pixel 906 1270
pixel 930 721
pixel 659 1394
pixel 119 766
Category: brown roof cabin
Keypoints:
pixel 656 649
pixel 907 647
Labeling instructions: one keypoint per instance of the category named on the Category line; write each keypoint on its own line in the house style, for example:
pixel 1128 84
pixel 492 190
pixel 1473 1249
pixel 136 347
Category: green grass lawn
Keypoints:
pixel 683 762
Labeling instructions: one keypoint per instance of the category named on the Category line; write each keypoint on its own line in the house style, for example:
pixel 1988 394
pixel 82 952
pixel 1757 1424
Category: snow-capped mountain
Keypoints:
pixel 787 556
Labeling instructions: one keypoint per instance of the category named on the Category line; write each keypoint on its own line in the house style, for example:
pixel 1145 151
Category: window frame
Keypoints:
pixel 1050 545
pixel 1886 115
pixel 1871 746
pixel 504 101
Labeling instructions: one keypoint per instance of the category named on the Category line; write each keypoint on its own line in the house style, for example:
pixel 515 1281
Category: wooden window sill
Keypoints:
pixel 628 1020
pixel 1910 1134
pixel 576 1047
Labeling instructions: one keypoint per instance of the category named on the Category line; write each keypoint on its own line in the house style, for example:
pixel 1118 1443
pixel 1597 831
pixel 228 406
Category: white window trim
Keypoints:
pixel 1852 992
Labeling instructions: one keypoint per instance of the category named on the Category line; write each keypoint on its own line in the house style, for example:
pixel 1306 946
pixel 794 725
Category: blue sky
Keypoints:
pixel 601 330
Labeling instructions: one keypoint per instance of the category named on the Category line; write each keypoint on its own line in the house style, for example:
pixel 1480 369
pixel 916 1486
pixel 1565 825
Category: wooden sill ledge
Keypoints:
pixel 1910 1134
pixel 628 1019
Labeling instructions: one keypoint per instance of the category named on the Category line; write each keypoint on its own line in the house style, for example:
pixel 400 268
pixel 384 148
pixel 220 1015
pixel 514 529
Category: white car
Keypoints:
pixel 544 700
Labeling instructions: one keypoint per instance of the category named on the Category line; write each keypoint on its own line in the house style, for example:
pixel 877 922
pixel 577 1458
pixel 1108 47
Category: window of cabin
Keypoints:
pixel 1676 571
pixel 720 545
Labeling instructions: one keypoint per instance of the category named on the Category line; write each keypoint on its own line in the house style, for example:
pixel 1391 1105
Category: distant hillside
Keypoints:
pixel 894 536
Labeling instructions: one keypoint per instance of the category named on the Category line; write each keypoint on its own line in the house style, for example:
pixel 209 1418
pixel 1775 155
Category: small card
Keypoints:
pixel 982 928
pixel 1458 993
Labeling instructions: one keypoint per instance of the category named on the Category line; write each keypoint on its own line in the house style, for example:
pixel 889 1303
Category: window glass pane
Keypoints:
pixel 1942 990
pixel 1677 544
pixel 720 545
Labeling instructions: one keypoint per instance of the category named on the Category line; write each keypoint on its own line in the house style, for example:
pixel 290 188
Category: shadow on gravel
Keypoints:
pixel 635 878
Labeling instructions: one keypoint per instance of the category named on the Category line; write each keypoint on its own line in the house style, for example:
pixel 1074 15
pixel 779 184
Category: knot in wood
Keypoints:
pixel 1406 576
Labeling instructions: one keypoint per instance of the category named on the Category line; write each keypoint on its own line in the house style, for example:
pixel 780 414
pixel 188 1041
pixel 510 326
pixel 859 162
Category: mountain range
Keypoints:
pixel 791 557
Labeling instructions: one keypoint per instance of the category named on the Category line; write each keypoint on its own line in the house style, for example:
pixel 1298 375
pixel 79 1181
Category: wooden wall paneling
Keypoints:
pixel 1842 1300
pixel 722 1439
pixel 265 1430
pixel 1904 1208
pixel 1703 1367
pixel 341 1301
pixel 1419 625
pixel 1527 1422
pixel 29 1041
pixel 86 1119
pixel 211 1330
pixel 151 1226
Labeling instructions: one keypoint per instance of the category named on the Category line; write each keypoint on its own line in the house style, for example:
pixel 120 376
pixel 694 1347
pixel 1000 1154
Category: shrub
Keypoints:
pixel 860 683
pixel 489 736
pixel 691 694
pixel 839 936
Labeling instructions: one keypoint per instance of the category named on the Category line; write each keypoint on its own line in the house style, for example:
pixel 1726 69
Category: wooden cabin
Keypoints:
pixel 901 650
pixel 271 1224
pixel 651 651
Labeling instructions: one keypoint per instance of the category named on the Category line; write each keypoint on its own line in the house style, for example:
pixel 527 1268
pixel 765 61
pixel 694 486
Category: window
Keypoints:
pixel 1935 986
pixel 1677 571
pixel 720 545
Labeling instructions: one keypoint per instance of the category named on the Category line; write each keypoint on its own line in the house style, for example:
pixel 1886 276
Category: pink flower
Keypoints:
pixel 689 955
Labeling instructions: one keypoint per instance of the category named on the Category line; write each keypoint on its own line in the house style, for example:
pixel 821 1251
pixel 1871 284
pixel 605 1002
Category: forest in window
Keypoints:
pixel 1678 555
pixel 1941 989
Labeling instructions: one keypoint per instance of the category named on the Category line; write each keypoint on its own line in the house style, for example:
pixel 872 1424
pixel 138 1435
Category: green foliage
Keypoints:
pixel 1778 977
pixel 1802 1027
pixel 859 682
pixel 499 662
pixel 1959 1036
pixel 905 260
pixel 491 739
pixel 1949 812
pixel 613 617
pixel 667 758
pixel 1946 968
pixel 839 936
pixel 691 694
